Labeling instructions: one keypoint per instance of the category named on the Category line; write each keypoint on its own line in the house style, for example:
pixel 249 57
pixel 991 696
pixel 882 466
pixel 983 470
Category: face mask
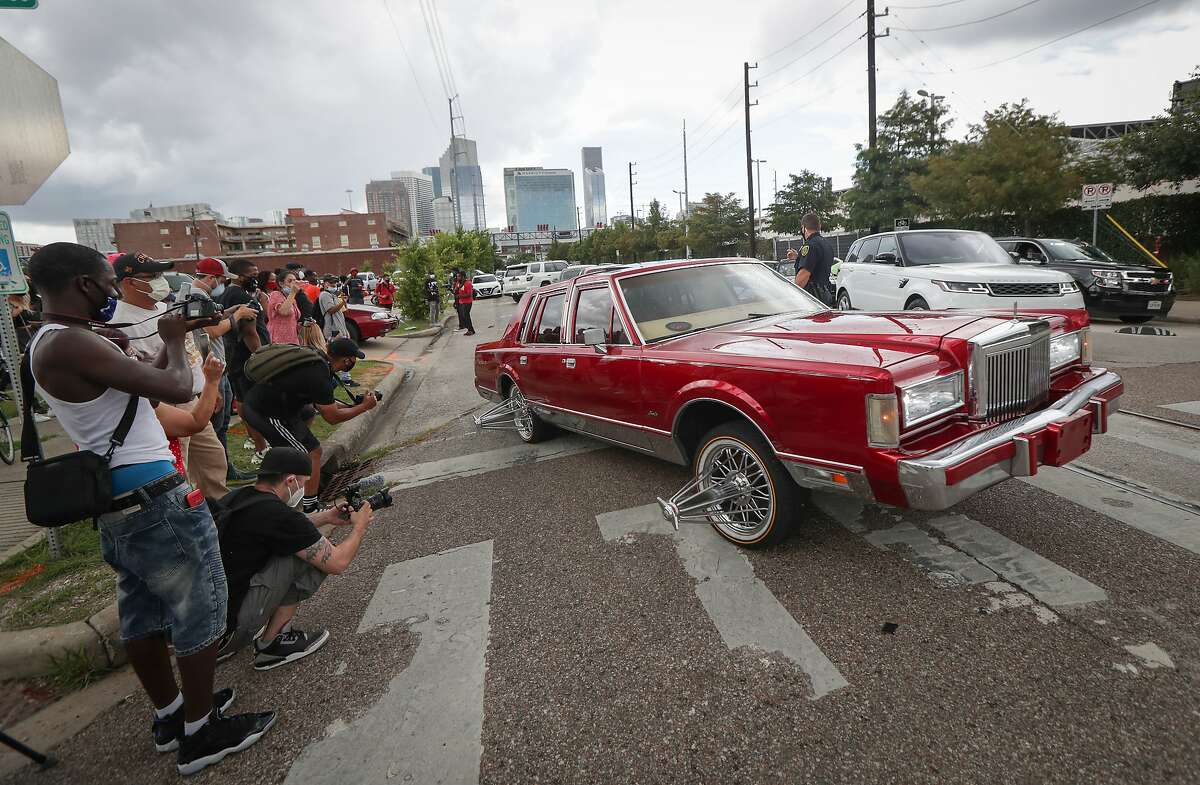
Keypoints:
pixel 286 290
pixel 159 288
pixel 250 285
pixel 217 290
pixel 296 497
pixel 103 312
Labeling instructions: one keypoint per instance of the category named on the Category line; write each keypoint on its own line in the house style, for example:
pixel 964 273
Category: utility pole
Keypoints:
pixel 455 191
pixel 687 206
pixel 578 225
pixel 933 99
pixel 871 36
pixel 758 162
pixel 195 236
pixel 632 215
pixel 749 156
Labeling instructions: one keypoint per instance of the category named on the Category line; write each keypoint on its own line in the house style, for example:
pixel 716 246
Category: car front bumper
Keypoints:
pixel 1118 303
pixel 375 328
pixel 1050 437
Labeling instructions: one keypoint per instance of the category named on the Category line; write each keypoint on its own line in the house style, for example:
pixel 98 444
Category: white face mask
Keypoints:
pixel 217 290
pixel 296 497
pixel 159 289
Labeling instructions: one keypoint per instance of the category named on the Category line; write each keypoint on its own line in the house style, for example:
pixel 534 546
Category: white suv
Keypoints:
pixel 933 269
pixel 520 278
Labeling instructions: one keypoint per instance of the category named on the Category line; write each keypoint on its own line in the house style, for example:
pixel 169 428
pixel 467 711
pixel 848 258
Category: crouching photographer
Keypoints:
pixel 275 558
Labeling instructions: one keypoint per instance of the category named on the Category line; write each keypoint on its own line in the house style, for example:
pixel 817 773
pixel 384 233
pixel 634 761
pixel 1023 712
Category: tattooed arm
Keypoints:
pixel 334 559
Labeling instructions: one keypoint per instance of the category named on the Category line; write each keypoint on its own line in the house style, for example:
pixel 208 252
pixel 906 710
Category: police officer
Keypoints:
pixel 815 261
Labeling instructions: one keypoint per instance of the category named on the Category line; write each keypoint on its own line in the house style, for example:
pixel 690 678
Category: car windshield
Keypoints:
pixel 1067 252
pixel 686 299
pixel 951 248
pixel 508 271
pixel 485 279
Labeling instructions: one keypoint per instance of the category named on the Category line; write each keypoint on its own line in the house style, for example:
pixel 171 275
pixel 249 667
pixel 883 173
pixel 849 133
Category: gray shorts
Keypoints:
pixel 285 580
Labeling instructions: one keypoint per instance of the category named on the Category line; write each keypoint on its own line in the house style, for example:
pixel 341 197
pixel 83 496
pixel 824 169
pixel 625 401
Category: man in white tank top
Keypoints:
pixel 160 537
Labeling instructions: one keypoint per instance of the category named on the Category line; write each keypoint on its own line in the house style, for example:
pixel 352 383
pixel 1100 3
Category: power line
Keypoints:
pixel 437 26
pixel 411 67
pixel 922 7
pixel 973 21
pixel 819 65
pixel 810 31
pixel 815 47
pixel 436 53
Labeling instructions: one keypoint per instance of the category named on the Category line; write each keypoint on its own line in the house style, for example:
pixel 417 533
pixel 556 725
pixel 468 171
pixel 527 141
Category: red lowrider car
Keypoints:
pixel 726 366
pixel 365 322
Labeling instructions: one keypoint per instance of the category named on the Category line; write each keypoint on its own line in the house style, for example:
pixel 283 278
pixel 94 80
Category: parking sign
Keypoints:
pixel 12 279
pixel 1097 196
pixel 901 224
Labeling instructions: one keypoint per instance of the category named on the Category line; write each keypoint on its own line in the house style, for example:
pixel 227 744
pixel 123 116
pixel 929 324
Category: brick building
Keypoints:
pixel 343 230
pixel 337 262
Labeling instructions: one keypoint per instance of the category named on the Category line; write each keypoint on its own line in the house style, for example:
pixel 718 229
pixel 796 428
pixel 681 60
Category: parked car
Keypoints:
pixel 935 269
pixel 517 281
pixel 175 280
pixel 576 270
pixel 369 281
pixel 723 366
pixel 365 322
pixel 787 268
pixel 486 285
pixel 1134 293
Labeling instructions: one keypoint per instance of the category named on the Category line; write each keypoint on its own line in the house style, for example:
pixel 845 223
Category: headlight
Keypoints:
pixel 925 400
pixel 1110 278
pixel 1065 349
pixel 380 316
pixel 883 422
pixel 964 287
pixel 1067 287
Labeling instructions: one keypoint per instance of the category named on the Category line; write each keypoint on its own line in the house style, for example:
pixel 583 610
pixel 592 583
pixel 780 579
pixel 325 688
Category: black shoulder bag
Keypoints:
pixel 70 487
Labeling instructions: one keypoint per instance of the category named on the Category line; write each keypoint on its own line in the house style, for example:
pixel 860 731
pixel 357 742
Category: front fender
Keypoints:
pixel 722 392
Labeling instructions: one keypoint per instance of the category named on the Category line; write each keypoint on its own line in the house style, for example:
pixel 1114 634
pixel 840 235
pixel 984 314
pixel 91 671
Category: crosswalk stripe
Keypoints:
pixel 741 607
pixel 489 461
pixel 1156 436
pixel 1165 521
pixel 427 727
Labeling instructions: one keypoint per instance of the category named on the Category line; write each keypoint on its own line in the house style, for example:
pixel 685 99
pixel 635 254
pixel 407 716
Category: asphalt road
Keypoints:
pixel 518 616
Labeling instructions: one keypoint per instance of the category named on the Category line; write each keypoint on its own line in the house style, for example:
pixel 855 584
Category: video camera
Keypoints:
pixel 379 500
pixel 360 398
pixel 199 307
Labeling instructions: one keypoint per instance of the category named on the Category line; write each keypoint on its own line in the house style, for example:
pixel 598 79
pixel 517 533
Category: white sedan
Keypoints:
pixel 934 269
pixel 486 286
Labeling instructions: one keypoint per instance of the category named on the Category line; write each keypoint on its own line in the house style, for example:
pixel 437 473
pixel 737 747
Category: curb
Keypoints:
pixel 428 331
pixel 339 445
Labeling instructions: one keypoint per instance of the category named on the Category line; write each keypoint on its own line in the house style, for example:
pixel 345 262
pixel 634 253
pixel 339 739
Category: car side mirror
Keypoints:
pixel 595 337
pixel 887 257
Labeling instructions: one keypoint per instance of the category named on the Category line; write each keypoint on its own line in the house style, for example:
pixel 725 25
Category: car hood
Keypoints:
pixel 368 309
pixel 1093 264
pixel 989 273
pixel 873 340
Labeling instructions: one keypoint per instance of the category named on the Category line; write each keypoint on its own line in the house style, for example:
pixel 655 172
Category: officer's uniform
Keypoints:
pixel 817 257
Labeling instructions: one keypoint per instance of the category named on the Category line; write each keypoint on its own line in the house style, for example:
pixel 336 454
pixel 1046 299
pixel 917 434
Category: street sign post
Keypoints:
pixel 34 138
pixel 1096 197
pixel 901 224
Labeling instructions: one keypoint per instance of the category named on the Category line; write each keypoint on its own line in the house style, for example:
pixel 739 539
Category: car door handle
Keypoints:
pixel 569 362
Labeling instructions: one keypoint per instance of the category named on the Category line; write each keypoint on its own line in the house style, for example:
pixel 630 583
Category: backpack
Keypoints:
pixel 270 361
pixel 223 509
pixel 318 313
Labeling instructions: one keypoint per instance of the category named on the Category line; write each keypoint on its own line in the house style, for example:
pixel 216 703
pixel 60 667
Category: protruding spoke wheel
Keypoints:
pixel 731 490
pixel 509 415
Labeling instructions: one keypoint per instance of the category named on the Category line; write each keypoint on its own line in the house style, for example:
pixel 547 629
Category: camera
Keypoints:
pixel 356 493
pixel 360 398
pixel 199 307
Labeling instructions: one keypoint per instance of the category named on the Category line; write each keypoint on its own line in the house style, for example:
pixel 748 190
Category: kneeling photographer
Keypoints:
pixel 275 558
pixel 291 385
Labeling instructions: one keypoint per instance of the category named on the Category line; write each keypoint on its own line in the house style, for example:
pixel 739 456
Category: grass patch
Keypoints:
pixel 36 591
pixel 368 373
pixel 408 327
pixel 74 670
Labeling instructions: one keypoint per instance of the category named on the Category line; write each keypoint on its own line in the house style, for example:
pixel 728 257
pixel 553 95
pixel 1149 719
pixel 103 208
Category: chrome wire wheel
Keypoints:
pixel 747 517
pixel 522 417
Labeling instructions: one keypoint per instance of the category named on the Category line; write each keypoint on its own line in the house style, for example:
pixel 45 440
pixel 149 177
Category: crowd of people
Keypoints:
pixel 200 569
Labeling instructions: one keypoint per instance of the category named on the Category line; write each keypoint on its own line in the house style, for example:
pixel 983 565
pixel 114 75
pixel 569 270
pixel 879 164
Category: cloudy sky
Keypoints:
pixel 270 104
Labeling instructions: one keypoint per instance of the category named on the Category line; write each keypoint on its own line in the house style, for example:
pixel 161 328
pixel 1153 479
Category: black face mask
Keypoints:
pixel 249 284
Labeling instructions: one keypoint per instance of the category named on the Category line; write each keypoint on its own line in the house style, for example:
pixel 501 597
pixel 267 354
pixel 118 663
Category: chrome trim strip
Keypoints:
pixel 924 479
pixel 634 426
pixel 819 462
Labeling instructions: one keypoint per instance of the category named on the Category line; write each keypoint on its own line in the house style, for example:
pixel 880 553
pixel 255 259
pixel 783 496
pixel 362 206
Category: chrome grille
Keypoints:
pixel 1024 289
pixel 1010 369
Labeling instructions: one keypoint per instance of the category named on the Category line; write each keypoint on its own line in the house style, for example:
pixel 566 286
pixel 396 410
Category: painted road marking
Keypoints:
pixel 428 727
pixel 743 609
pixel 483 462
pixel 1164 521
pixel 1187 407
pixel 1157 436
pixel 1050 583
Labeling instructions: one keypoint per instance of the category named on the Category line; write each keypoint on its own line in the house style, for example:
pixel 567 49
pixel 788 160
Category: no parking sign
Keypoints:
pixel 1097 196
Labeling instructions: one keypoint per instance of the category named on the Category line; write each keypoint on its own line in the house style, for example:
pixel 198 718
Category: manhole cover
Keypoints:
pixel 1145 330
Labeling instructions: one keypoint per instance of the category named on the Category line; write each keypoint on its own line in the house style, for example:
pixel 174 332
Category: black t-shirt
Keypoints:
pixel 286 394
pixel 817 257
pixel 355 289
pixel 252 534
pixel 431 291
pixel 236 351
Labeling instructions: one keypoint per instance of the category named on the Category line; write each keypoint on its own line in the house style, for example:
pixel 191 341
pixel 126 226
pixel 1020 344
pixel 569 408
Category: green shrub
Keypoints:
pixel 1186 269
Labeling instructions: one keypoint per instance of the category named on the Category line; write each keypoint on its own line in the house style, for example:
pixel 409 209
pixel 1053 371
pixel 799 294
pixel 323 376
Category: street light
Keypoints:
pixel 932 117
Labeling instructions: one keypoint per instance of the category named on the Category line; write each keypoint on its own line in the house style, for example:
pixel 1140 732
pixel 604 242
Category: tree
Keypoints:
pixel 468 251
pixel 718 227
pixel 1013 169
pixel 907 135
pixel 1169 150
pixel 806 192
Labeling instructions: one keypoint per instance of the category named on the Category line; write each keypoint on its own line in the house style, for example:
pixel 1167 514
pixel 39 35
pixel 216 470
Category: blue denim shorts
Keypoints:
pixel 169 573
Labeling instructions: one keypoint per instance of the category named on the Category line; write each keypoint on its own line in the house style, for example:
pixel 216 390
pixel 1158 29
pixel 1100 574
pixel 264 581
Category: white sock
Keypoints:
pixel 170 708
pixel 190 728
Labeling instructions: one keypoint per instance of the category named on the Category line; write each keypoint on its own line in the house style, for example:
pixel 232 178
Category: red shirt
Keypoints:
pixel 384 291
pixel 465 293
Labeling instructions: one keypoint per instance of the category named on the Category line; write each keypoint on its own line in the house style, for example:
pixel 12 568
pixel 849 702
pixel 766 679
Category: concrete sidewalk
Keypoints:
pixel 1185 311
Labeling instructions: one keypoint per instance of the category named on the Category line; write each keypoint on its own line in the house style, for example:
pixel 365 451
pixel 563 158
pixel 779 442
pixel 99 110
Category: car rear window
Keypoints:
pixel 515 270
pixel 548 328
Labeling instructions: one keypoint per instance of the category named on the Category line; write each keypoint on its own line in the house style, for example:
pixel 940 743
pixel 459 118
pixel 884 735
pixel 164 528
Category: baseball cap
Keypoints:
pixel 344 347
pixel 127 264
pixel 211 266
pixel 286 460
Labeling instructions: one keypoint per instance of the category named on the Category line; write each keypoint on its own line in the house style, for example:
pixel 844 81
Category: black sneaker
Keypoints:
pixel 288 647
pixel 169 730
pixel 222 736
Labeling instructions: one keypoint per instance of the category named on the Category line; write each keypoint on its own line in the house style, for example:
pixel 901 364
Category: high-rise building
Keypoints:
pixel 96 233
pixel 420 200
pixel 170 212
pixel 595 204
pixel 391 198
pixel 537 199
pixel 443 214
pixel 460 171
pixel 435 174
